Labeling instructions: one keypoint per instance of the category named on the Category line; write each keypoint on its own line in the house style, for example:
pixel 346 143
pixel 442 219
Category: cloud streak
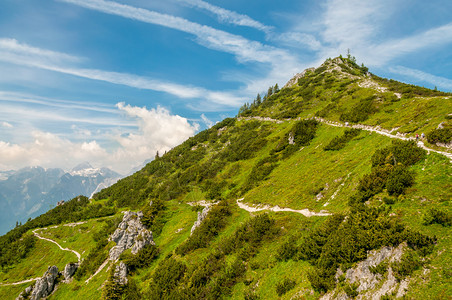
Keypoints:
pixel 441 82
pixel 244 49
pixel 12 51
pixel 228 16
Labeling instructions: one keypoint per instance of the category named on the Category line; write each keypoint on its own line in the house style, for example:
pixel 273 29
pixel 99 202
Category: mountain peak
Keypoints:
pixel 82 166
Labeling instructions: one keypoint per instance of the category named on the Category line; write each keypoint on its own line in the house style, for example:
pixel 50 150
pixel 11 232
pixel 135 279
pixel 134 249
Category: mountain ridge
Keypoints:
pixel 298 149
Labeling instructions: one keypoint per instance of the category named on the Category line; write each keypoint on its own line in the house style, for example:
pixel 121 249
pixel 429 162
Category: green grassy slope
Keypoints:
pixel 254 159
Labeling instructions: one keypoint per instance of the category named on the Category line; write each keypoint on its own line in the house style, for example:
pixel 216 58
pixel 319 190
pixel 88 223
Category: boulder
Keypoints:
pixel 69 270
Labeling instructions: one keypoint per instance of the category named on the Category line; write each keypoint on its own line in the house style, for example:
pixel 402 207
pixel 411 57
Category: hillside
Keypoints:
pixel 315 190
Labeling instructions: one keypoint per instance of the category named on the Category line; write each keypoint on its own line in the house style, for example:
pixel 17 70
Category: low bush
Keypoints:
pixel 361 111
pixel 142 259
pixel 381 268
pixel 443 135
pixel 399 179
pixel 208 230
pixel 285 286
pixel 438 216
pixel 339 142
pixel 409 262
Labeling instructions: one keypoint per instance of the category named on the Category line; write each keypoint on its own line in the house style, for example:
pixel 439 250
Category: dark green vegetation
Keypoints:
pixel 380 192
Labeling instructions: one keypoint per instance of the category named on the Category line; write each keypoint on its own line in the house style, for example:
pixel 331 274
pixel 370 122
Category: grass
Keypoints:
pixel 296 181
pixel 44 255
pixel 12 291
pixel 80 290
pixel 78 237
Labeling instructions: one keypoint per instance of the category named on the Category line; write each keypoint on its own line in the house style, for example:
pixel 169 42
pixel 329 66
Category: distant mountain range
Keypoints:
pixel 31 191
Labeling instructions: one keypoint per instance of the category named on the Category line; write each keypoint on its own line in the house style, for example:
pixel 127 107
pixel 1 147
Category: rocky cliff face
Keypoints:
pixel 120 274
pixel 43 286
pixel 131 233
pixel 371 285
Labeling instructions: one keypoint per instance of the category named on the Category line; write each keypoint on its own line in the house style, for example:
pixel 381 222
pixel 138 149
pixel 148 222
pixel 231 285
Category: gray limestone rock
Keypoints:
pixel 131 233
pixel 201 216
pixel 43 287
pixel 69 270
pixel 120 275
pixel 373 286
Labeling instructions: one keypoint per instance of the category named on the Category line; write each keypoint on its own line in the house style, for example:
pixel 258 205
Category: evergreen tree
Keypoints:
pixel 258 99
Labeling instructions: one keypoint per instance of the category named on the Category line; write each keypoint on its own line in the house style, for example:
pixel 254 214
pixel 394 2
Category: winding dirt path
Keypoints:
pixel 306 212
pixel 377 129
pixel 19 282
pixel 52 241
pixel 98 270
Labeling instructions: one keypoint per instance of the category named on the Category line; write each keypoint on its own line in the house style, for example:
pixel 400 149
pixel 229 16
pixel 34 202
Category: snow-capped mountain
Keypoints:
pixel 32 191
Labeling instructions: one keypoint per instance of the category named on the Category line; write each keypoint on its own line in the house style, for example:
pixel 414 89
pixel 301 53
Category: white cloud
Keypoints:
pixel 6 125
pixel 22 54
pixel 244 49
pixel 357 25
pixel 434 37
pixel 227 16
pixel 206 121
pixel 441 82
pixel 157 130
pixel 299 38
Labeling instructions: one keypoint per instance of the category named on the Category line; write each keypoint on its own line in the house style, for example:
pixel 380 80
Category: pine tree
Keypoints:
pixel 258 99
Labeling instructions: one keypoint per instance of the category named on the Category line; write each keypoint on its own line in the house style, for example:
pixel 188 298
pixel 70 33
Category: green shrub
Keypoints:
pixel 285 286
pixel 351 289
pixel 208 230
pixel 339 142
pixel 361 111
pixel 443 135
pixel 167 276
pixel 389 200
pixel 409 262
pixel 398 180
pixel 434 215
pixel 381 268
pixel 141 259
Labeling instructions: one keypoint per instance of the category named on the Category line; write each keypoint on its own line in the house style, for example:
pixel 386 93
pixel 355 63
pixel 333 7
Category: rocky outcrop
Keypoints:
pixel 43 287
pixel 69 270
pixel 372 285
pixel 294 80
pixel 120 274
pixel 201 216
pixel 131 233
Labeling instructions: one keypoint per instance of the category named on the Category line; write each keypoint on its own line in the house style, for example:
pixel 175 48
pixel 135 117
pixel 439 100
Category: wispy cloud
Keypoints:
pixel 441 82
pixel 22 54
pixel 206 121
pixel 15 97
pixel 228 16
pixel 433 37
pixel 244 49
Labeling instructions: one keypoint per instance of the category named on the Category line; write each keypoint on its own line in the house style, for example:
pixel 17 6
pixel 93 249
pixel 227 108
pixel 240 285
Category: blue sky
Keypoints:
pixel 112 82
